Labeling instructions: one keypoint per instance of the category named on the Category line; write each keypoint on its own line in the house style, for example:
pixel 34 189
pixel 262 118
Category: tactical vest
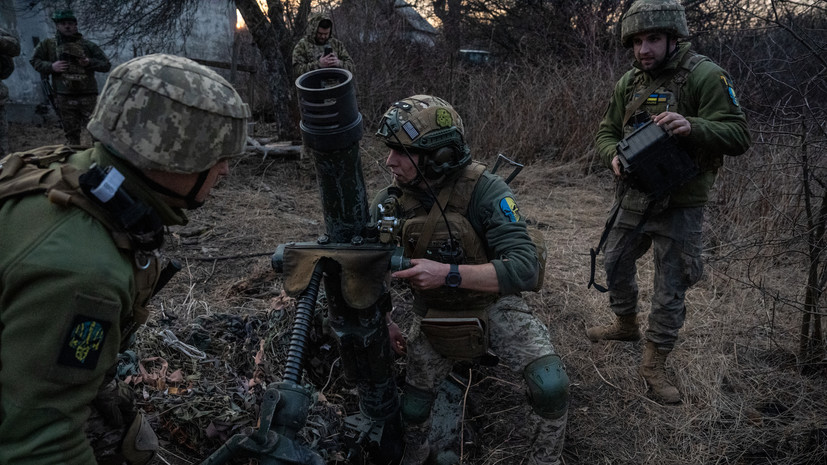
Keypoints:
pixel 645 100
pixel 454 199
pixel 664 97
pixel 33 172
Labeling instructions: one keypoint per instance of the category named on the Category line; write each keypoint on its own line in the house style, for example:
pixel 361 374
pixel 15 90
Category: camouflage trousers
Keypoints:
pixel 676 239
pixel 4 131
pixel 518 338
pixel 75 112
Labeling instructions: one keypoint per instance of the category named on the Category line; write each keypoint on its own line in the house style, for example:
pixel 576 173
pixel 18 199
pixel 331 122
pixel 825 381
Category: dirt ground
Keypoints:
pixel 220 329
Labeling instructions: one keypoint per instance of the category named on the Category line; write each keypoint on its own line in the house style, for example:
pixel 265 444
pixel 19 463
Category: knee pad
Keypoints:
pixel 548 386
pixel 416 405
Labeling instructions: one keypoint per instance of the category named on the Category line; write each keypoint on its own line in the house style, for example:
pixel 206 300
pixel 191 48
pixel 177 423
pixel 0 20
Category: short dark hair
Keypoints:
pixel 325 23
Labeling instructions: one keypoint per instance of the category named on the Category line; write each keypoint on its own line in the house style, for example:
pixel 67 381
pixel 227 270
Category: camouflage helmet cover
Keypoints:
pixel 424 124
pixel 168 113
pixel 653 15
pixel 64 15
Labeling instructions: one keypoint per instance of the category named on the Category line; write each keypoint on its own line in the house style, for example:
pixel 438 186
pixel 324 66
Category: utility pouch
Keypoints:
pixel 653 162
pixel 460 335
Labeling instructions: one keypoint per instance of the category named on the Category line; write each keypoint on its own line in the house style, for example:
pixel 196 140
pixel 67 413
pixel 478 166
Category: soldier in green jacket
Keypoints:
pixel 9 48
pixel 319 49
pixel 693 99
pixel 471 258
pixel 72 62
pixel 80 255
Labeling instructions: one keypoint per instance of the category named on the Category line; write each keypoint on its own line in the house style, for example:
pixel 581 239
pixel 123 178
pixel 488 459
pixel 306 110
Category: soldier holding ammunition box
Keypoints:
pixel 693 100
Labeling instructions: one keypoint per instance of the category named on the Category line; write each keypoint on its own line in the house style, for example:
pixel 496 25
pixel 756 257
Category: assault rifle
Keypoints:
pixel 50 96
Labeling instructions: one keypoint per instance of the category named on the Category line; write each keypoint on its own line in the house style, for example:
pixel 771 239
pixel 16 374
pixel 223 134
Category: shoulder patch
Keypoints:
pixel 83 344
pixel 730 91
pixel 510 209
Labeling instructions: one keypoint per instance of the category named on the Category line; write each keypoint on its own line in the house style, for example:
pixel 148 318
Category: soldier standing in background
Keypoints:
pixel 78 265
pixel 9 48
pixel 319 49
pixel 72 61
pixel 693 99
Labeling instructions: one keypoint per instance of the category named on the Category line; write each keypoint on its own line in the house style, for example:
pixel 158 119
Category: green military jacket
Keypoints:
pixel 77 79
pixel 66 291
pixel 307 52
pixel 9 48
pixel 498 224
pixel 707 100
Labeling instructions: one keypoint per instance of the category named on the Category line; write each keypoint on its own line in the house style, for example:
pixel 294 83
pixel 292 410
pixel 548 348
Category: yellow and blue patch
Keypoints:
pixel 657 99
pixel 510 209
pixel 84 343
pixel 730 91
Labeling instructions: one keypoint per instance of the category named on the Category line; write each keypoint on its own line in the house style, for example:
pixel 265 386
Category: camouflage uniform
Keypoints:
pixel 9 48
pixel 515 334
pixel 307 52
pixel 77 270
pixel 76 89
pixel 718 127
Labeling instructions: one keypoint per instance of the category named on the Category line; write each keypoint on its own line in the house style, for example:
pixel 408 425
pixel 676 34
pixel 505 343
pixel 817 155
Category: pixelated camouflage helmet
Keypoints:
pixel 169 113
pixel 653 15
pixel 64 15
pixel 429 127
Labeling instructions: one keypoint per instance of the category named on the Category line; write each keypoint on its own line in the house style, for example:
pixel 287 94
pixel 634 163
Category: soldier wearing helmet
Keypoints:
pixel 79 264
pixel 471 258
pixel 72 62
pixel 9 48
pixel 693 100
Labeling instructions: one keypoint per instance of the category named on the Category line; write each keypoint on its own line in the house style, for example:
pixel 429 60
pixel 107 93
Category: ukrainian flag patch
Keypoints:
pixel 510 209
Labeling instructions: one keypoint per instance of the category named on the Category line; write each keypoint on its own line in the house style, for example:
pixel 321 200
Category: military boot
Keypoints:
pixel 653 370
pixel 416 454
pixel 623 329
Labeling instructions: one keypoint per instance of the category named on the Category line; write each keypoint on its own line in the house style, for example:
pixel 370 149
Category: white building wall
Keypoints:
pixel 210 39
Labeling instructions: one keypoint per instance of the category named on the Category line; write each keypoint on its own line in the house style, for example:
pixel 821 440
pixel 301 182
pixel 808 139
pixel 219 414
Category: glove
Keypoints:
pixel 116 403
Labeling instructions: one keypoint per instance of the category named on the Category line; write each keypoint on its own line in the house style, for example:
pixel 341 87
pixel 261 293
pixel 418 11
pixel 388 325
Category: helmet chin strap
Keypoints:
pixel 189 197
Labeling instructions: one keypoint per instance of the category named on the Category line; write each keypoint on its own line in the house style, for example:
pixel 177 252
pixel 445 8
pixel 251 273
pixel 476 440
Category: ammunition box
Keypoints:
pixel 653 162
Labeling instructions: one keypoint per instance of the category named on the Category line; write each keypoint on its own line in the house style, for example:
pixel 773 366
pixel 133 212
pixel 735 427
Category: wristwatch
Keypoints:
pixel 453 278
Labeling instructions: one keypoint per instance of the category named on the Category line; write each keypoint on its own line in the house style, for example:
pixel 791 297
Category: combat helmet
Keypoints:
pixel 653 15
pixel 429 127
pixel 168 113
pixel 64 15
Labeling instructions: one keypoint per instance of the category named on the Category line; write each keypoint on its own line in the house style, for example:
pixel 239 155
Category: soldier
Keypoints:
pixel 692 98
pixel 471 258
pixel 9 48
pixel 78 265
pixel 72 61
pixel 319 49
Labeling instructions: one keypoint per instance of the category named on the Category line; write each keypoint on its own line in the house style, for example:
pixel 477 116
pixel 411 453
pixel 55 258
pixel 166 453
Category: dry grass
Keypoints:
pixel 745 402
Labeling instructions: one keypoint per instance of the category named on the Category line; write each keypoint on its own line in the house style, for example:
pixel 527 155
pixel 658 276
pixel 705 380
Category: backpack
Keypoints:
pixel 44 170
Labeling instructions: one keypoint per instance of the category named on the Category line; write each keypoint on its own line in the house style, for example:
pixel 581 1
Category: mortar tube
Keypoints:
pixel 331 128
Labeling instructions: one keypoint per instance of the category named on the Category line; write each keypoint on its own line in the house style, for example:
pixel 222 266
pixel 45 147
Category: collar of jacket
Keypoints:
pixel 137 187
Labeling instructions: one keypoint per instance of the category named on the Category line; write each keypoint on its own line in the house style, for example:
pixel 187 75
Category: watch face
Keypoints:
pixel 453 279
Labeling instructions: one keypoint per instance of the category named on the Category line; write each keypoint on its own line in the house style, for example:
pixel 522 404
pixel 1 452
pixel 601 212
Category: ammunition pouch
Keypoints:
pixel 457 334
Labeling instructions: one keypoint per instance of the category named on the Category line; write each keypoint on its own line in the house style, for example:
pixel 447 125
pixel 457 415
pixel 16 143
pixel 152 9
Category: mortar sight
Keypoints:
pixel 330 118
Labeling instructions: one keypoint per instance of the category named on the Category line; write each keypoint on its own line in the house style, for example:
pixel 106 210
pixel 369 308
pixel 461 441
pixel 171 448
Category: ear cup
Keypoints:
pixel 443 156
